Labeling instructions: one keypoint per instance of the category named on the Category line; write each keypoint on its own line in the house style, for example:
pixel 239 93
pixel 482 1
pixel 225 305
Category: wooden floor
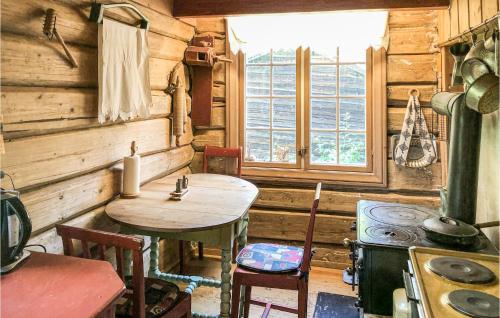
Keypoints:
pixel 206 299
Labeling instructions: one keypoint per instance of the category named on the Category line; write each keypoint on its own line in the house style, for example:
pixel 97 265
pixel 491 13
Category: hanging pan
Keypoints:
pixel 479 61
pixel 459 51
pixel 482 96
pixel 492 44
pixel 489 44
pixel 451 231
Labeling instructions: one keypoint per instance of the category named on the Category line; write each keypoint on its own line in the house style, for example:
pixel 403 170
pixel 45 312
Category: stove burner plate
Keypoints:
pixel 474 303
pixel 390 234
pixel 461 270
pixel 397 215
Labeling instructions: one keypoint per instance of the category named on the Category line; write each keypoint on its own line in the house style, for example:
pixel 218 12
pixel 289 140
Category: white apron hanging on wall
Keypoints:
pixel 415 134
pixel 123 70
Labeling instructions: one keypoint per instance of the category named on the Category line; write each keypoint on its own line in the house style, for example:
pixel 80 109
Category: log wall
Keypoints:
pixel 67 165
pixel 462 15
pixel 279 215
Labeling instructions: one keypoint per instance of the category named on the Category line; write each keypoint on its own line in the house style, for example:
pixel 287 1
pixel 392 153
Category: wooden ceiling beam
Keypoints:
pixel 205 8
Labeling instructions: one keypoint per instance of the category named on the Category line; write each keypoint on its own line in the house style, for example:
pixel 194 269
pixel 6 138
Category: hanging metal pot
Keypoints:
pixel 483 95
pixel 459 51
pixel 443 102
pixel 479 61
pixel 492 44
pixel 489 44
pixel 451 231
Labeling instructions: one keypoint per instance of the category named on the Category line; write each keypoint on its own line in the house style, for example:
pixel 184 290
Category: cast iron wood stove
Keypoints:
pixel 385 231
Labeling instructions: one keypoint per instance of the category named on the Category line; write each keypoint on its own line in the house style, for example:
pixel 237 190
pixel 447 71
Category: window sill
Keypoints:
pixel 300 176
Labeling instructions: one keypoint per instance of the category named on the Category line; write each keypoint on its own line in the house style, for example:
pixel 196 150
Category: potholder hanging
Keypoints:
pixel 415 120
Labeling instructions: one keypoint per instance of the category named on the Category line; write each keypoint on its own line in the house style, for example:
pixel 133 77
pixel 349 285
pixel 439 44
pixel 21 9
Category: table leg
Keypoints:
pixel 242 238
pixel 242 241
pixel 225 294
pixel 154 253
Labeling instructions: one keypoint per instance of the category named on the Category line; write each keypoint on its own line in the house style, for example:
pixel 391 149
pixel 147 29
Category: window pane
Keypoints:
pixel 284 56
pixel 352 80
pixel 352 113
pixel 323 148
pixel 257 145
pixel 284 113
pixel 257 112
pixel 323 80
pixel 284 146
pixel 259 58
pixel 323 113
pixel 352 149
pixel 258 80
pixel 284 80
pixel 317 57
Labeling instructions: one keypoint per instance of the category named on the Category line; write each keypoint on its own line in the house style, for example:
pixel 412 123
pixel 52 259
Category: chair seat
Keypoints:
pixel 160 297
pixel 270 258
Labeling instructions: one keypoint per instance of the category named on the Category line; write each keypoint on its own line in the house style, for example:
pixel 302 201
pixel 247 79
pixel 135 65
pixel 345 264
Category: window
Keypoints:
pixel 336 104
pixel 270 108
pixel 309 115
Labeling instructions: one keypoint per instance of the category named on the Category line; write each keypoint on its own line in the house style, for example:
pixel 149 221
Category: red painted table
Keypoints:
pixel 50 285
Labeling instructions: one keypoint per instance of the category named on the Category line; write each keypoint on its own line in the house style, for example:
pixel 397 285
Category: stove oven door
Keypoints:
pixel 412 293
pixel 380 273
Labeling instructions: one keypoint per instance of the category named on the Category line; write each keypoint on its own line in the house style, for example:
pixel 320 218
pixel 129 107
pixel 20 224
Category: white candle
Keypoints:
pixel 131 175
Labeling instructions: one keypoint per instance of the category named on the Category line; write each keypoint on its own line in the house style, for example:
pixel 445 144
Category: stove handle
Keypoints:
pixel 410 292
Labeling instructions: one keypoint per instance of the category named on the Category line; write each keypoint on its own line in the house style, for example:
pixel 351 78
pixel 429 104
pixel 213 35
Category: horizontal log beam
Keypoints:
pixel 204 138
pixel 39 62
pixel 35 161
pixel 397 95
pixel 418 40
pixel 203 8
pixel 403 178
pixel 292 226
pixel 29 111
pixel 417 68
pixel 332 201
pixel 73 23
pixel 396 116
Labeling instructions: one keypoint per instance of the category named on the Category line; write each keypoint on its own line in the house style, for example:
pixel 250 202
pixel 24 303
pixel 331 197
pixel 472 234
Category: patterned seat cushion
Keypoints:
pixel 273 258
pixel 160 297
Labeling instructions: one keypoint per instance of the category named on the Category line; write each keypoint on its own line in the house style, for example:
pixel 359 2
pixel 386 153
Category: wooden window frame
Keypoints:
pixel 374 174
pixel 298 101
pixel 307 110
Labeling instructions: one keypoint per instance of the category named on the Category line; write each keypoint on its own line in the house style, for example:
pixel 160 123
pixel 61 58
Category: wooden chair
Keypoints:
pixel 140 285
pixel 281 275
pixel 212 152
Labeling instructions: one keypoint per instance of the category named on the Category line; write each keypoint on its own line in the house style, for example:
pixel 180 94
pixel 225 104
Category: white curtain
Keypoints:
pixel 353 31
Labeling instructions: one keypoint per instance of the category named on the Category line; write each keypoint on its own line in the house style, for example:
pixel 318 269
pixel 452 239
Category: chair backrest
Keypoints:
pixel 306 262
pixel 103 241
pixel 220 152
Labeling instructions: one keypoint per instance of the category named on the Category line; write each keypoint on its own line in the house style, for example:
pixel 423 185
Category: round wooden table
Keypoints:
pixel 214 211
